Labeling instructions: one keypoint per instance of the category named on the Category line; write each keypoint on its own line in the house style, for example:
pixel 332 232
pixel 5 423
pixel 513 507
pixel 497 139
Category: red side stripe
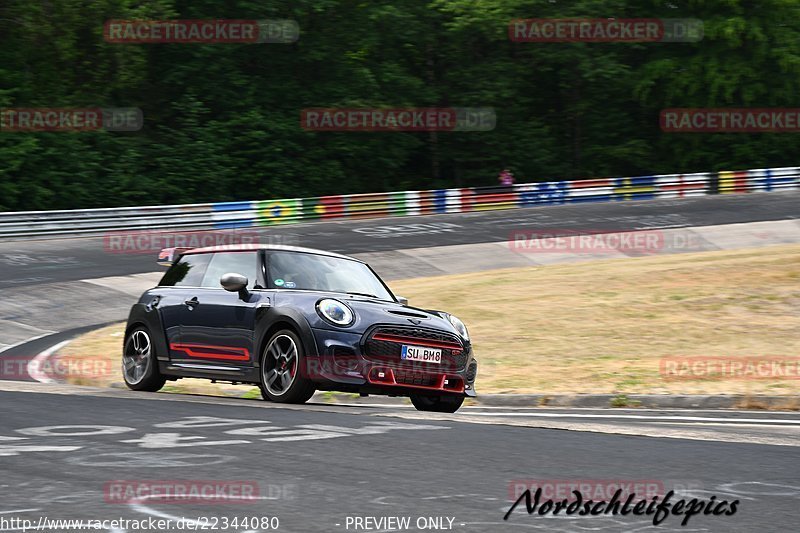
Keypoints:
pixel 207 351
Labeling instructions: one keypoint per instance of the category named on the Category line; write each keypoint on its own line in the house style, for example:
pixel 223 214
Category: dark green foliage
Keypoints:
pixel 222 121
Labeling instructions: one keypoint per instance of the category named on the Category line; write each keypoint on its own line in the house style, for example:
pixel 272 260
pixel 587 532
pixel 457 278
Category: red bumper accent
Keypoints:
pixel 444 382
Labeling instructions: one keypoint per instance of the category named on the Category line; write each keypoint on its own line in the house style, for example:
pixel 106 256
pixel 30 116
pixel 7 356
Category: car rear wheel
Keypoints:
pixel 437 404
pixel 281 379
pixel 139 364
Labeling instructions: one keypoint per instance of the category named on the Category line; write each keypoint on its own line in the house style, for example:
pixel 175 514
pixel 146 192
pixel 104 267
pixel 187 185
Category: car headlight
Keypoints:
pixel 459 325
pixel 335 312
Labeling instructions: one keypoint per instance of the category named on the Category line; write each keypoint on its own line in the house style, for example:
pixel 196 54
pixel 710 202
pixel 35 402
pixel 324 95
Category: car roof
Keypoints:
pixel 272 247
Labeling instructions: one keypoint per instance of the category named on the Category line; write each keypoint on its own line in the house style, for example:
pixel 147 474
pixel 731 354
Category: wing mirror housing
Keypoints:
pixel 234 282
pixel 402 300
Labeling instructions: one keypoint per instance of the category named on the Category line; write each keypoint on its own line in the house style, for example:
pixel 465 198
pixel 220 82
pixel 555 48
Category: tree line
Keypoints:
pixel 222 122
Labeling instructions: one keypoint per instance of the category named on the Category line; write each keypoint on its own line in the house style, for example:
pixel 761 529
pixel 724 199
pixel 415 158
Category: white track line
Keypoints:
pixel 643 417
pixel 37 363
pixel 537 411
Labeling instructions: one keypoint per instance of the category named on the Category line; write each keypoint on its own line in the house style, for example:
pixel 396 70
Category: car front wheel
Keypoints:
pixel 281 379
pixel 437 404
pixel 139 363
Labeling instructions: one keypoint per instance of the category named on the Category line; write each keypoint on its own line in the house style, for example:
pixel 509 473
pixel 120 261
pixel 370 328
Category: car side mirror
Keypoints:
pixel 402 300
pixel 233 282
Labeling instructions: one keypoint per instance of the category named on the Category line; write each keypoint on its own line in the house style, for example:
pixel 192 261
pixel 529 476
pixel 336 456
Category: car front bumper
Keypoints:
pixel 358 363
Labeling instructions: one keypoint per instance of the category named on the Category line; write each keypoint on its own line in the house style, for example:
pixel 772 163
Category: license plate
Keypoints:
pixel 421 353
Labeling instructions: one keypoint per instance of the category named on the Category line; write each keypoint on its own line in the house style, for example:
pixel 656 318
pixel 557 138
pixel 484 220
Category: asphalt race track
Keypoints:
pixel 316 466
pixel 39 262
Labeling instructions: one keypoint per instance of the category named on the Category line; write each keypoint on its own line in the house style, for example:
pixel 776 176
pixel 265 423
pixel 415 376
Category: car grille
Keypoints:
pixel 407 377
pixel 387 346
pixel 472 372
pixel 345 357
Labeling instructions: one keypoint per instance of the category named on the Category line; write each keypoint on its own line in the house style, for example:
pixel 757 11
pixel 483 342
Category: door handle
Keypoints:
pixel 192 302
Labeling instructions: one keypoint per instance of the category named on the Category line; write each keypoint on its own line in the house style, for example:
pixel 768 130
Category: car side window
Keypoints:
pixel 187 272
pixel 245 263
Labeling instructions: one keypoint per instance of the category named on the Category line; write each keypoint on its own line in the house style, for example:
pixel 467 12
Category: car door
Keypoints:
pixel 178 285
pixel 217 326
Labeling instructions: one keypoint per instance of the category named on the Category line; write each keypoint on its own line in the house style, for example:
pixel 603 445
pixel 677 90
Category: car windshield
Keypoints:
pixel 293 270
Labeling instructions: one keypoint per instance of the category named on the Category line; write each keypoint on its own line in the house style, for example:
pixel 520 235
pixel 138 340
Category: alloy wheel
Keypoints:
pixel 137 357
pixel 280 365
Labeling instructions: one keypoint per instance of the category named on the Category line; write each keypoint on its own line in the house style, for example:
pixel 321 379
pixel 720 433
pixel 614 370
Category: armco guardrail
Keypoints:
pixel 402 203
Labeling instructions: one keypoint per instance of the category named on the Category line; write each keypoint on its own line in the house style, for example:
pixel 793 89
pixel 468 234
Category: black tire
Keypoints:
pixel 437 404
pixel 283 356
pixel 139 362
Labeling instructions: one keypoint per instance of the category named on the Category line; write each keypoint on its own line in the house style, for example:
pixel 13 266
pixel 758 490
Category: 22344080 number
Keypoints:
pixel 223 523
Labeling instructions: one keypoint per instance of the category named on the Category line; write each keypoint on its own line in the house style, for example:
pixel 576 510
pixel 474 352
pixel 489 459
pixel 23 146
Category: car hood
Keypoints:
pixel 368 312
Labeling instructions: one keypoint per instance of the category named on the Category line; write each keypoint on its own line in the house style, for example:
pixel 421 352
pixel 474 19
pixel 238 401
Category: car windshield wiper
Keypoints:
pixel 363 294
